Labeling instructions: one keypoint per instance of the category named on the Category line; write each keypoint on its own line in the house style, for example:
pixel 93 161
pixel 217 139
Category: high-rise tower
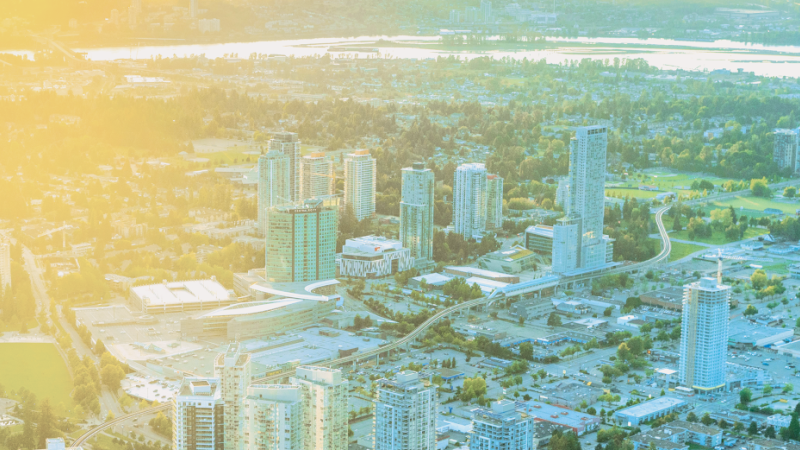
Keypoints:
pixel 494 202
pixel 289 144
pixel 273 417
pixel 469 200
pixel 359 183
pixel 301 242
pixel 233 370
pixel 416 211
pixel 704 335
pixel 784 150
pixel 405 414
pixel 501 427
pixel 198 415
pixel 587 171
pixel 273 184
pixel 316 176
pixel 325 395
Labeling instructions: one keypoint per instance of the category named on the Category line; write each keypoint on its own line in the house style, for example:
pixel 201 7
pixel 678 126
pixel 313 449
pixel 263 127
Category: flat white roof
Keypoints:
pixel 477 271
pixel 650 407
pixel 243 309
pixel 181 292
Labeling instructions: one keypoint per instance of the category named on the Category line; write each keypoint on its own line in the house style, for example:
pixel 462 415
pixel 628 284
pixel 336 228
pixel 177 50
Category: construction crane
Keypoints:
pixel 63 229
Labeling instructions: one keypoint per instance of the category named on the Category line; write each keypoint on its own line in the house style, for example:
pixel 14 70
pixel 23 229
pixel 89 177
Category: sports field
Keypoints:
pixel 37 367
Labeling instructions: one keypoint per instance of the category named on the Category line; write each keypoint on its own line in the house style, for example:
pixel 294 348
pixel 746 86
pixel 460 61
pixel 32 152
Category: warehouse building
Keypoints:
pixel 746 335
pixel 647 411
pixel 539 239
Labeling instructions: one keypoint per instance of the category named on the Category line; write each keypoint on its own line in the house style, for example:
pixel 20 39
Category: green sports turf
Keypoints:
pixel 39 368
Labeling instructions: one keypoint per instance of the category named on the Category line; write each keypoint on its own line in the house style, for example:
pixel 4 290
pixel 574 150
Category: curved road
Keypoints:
pixel 664 254
pixel 98 429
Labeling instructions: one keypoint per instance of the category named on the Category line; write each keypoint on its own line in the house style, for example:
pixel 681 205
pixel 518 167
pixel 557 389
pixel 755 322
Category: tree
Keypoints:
pixel 691 417
pixel 676 224
pixel 526 350
pixel 46 427
pixel 794 428
pixel 564 441
pixel 750 311
pixel 789 191
pixel 770 432
pixel 760 188
pixel 738 427
pixel 758 279
pixel 745 395
pixel 787 388
pixel 112 375
pixel 554 320
pixel 723 424
pixel 752 430
pixel 706 420
pixel 767 389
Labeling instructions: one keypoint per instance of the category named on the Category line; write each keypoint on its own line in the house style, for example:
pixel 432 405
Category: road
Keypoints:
pixel 108 401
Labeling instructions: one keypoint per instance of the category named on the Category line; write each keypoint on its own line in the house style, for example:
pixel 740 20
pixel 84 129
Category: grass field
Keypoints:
pixel 37 367
pixel 681 250
pixel 757 204
pixel 717 237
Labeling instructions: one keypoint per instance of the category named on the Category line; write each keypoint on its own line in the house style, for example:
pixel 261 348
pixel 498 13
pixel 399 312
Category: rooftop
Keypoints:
pixel 179 292
pixel 651 406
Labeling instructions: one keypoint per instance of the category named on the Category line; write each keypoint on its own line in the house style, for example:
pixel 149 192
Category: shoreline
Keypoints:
pixel 401 41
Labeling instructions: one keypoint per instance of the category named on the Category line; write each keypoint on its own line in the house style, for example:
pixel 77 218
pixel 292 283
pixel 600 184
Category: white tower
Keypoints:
pixel 325 395
pixel 704 335
pixel 273 417
pixel 501 427
pixel 469 200
pixel 586 196
pixel 359 183
pixel 317 178
pixel 233 370
pixel 198 415
pixel 405 414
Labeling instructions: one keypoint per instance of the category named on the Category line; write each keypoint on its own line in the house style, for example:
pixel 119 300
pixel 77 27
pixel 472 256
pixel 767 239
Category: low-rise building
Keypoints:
pixel 668 298
pixel 467 272
pixel 578 422
pixel 373 257
pixel 647 411
pixel 514 260
pixel 256 319
pixel 539 239
pixel 180 296
pixel 570 393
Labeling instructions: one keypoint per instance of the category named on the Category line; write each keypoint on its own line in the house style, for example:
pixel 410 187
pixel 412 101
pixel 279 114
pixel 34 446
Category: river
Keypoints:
pixel 776 61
